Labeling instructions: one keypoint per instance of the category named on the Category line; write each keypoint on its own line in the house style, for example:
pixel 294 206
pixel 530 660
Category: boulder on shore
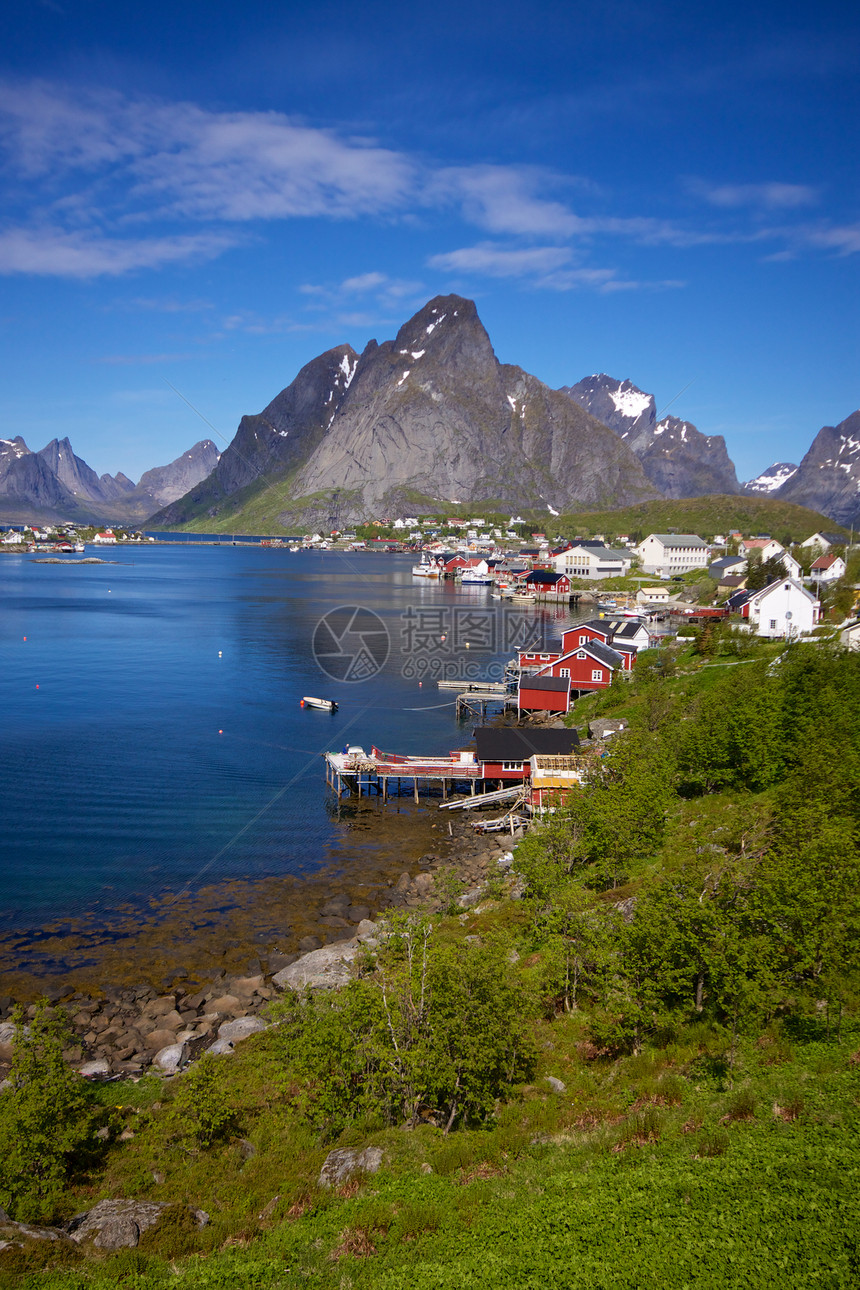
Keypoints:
pixel 323 969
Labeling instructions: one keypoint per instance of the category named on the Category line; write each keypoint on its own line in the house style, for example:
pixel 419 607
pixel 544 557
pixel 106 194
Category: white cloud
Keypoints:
pixel 547 267
pixel 504 199
pixel 52 252
pixel 496 261
pixel 768 196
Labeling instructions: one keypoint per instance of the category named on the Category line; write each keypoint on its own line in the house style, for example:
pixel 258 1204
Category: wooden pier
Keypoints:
pixel 359 772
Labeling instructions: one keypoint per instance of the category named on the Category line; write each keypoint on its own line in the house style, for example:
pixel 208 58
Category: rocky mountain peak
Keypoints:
pixel 828 477
pixel 675 456
pixel 621 405
pixel 772 478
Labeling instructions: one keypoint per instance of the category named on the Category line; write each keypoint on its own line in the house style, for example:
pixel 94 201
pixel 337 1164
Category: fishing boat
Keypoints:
pixel 474 578
pixel 426 569
pixel 328 705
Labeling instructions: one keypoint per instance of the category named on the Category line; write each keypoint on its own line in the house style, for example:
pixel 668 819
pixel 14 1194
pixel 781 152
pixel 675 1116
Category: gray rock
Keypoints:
pixel 346 1161
pixel 356 913
pixel 241 1028
pixel 225 1003
pixel 98 1069
pixel 322 969
pixel 557 1085
pixel 158 1039
pixel 221 1048
pixel 115 1224
pixel 308 943
pixel 7 1036
pixel 170 1059
pixel 160 1007
pixel 470 897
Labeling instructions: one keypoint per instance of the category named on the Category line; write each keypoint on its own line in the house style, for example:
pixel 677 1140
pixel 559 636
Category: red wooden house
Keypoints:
pixel 543 693
pixel 589 667
pixel 505 753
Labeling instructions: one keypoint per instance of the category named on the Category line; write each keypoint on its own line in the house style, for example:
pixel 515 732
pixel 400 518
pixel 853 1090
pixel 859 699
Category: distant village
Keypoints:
pixel 760 585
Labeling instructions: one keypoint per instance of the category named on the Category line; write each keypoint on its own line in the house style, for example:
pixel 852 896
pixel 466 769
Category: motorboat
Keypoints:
pixel 327 705
pixel 473 578
pixel 426 569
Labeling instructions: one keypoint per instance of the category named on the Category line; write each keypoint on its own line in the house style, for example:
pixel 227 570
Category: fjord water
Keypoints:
pixel 152 737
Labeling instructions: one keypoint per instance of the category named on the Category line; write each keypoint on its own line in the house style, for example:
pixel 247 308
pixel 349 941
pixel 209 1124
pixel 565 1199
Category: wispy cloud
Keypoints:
pixel 767 196
pixel 547 267
pixel 498 261
pixel 504 199
pixel 90 174
pixel 56 253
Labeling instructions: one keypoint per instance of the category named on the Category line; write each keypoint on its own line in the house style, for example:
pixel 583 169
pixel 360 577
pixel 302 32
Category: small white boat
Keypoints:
pixel 295 548
pixel 472 578
pixel 328 705
pixel 426 569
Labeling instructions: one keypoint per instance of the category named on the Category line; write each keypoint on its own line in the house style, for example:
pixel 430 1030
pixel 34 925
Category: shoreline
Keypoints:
pixel 132 1005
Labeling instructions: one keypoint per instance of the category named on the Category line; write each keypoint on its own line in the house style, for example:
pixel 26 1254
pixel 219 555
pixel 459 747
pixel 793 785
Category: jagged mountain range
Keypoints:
pixel 427 418
pixel 55 484
pixel 677 459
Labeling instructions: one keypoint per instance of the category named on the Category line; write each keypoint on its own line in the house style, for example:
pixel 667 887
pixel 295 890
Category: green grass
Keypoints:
pixel 648 1171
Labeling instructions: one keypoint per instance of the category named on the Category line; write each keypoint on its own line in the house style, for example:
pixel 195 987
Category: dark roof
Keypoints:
pixel 603 653
pixel 560 683
pixel 727 562
pixel 594 624
pixel 544 576
pixel 739 599
pixel 507 744
pixel 733 579
pixel 626 627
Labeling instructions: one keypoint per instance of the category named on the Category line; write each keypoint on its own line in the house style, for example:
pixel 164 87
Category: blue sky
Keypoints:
pixel 210 194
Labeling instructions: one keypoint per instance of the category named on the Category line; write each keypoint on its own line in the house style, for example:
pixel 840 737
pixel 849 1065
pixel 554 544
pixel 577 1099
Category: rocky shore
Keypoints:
pixel 121 1031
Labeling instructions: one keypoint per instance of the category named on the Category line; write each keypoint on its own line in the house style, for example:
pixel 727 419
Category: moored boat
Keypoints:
pixel 328 705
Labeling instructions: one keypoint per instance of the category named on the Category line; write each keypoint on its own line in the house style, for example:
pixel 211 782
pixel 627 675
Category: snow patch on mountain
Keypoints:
pixel 772 478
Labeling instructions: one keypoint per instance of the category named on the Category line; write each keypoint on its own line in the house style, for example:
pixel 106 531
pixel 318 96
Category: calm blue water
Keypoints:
pixel 151 730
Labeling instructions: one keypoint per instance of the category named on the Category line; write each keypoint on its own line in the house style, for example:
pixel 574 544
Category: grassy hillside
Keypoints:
pixel 649 1061
pixel 267 507
pixel 705 516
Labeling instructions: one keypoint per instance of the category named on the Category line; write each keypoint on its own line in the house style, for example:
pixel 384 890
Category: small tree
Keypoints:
pixel 45 1118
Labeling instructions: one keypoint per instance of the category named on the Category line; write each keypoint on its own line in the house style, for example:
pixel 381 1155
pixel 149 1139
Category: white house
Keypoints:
pixel 108 537
pixel 850 635
pixel 767 548
pixel 792 567
pixel 824 541
pixel 784 608
pixel 592 562
pixel 668 554
pixel 828 568
pixel 652 596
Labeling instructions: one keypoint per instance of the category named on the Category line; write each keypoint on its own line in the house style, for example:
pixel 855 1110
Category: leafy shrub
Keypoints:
pixel 46 1119
pixel 199 1115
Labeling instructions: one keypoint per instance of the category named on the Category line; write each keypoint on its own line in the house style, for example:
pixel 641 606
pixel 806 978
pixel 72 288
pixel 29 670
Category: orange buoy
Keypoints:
pixel 301 703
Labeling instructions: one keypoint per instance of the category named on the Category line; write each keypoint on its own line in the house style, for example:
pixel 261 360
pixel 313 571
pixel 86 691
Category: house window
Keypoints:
pixel 596 674
pixel 564 671
pixel 545 657
pixel 512 765
pixel 773 624
pixel 581 654
pixel 583 640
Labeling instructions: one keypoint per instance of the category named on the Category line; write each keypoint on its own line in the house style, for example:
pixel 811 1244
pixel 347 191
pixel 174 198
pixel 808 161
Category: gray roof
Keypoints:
pixel 545 683
pixel 679 539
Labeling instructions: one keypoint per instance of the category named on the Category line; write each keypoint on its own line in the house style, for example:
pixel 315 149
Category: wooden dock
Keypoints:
pixel 359 772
